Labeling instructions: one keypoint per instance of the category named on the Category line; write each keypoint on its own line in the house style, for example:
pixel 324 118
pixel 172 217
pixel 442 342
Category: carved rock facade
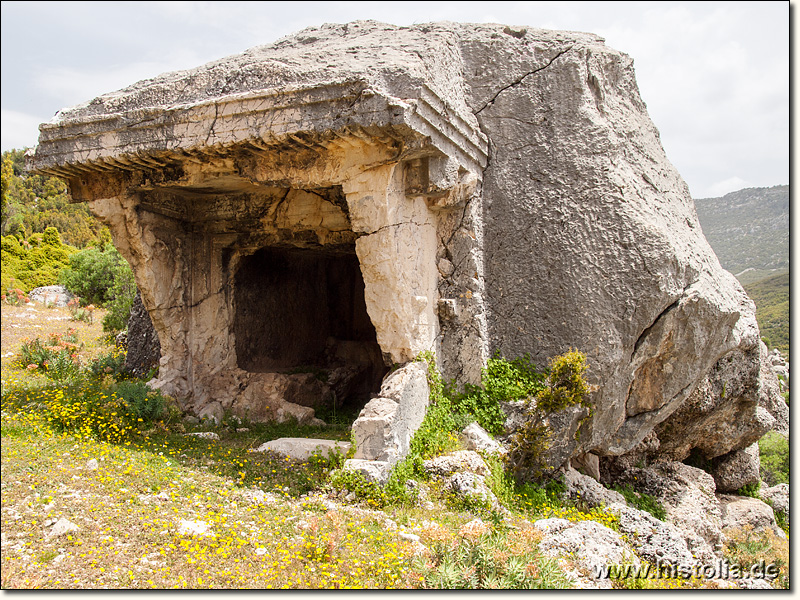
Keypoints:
pixel 352 195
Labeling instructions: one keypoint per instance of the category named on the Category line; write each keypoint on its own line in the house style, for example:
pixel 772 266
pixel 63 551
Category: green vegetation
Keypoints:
pixel 48 240
pixel 746 548
pixel 32 203
pixel 485 559
pixel 92 273
pixel 774 451
pixel 34 262
pixel 565 383
pixel 449 411
pixel 771 296
pixel 564 386
pixel 641 500
pixel 750 490
pixel 748 229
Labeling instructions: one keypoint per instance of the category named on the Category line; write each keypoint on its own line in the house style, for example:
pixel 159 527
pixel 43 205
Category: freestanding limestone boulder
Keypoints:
pixel 51 295
pixel 352 195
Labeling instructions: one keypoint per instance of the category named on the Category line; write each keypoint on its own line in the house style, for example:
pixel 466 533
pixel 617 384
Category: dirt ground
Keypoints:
pixel 20 323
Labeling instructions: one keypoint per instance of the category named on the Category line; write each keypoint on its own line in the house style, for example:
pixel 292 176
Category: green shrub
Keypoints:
pixel 33 263
pixel 141 401
pixel 774 451
pixel 110 363
pixel 122 293
pixel 57 358
pixel 565 383
pixel 91 274
pixel 501 381
pixel 750 490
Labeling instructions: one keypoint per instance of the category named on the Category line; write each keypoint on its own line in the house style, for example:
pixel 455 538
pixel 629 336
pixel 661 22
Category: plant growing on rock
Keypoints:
pixel 565 387
pixel 565 383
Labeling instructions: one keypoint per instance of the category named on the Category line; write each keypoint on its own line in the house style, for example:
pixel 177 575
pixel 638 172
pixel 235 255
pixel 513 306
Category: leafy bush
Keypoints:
pixel 123 292
pixel 80 314
pixel 142 402
pixel 91 274
pixel 750 490
pixel 35 262
pixel 502 381
pixel 33 203
pixel 774 451
pixel 57 359
pixel 110 363
pixel 565 383
pixel 16 297
pixel 564 386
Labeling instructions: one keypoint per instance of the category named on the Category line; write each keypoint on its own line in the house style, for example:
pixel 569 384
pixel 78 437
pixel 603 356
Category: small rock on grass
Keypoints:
pixel 193 527
pixel 206 435
pixel 61 527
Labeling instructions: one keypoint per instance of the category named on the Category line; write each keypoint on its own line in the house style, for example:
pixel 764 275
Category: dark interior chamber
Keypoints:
pixel 300 310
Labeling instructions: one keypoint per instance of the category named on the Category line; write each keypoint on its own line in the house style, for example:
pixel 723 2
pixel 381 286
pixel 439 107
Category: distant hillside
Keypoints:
pixel 749 230
pixel 771 296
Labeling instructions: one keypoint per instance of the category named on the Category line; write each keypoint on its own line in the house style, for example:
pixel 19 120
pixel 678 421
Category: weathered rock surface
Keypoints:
pixel 373 470
pixel 739 512
pixel 384 429
pixel 541 443
pixel 733 407
pixel 776 496
pixel 51 295
pixel 62 527
pixel 737 469
pixel 473 487
pixel 587 544
pixel 304 448
pixel 780 366
pixel 194 528
pixel 588 464
pixel 688 497
pixel 446 465
pixel 476 188
pixel 655 541
pixel 477 438
pixel 586 489
pixel 144 349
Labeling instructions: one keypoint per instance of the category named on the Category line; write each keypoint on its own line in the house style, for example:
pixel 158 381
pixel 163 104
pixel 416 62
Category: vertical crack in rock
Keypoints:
pixel 213 123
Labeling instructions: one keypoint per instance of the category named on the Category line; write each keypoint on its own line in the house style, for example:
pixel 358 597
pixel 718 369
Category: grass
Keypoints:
pixel 271 522
pixel 771 296
pixel 129 513
pixel 747 548
pixel 93 451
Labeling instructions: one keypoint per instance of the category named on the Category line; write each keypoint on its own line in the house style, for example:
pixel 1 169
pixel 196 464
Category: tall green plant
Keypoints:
pixel 123 292
pixel 92 273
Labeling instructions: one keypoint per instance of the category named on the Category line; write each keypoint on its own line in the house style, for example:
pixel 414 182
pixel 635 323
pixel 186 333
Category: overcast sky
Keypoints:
pixel 714 75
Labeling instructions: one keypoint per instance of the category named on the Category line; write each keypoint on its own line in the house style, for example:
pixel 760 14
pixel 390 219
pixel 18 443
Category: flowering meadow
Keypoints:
pixel 104 486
